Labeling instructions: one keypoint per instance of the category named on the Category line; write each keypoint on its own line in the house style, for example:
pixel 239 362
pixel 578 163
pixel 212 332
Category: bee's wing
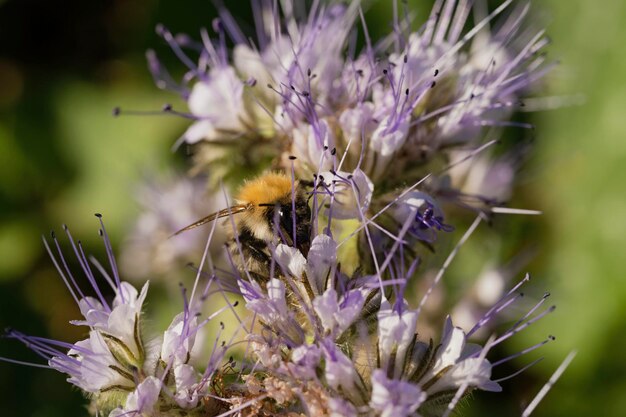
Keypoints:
pixel 213 216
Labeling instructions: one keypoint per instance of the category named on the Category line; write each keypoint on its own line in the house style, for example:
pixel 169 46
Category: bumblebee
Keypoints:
pixel 271 208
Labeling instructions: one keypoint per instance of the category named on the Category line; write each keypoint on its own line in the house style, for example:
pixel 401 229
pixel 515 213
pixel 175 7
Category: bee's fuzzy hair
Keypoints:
pixel 269 188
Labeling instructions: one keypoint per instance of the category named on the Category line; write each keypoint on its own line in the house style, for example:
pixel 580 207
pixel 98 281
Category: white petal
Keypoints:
pixel 350 308
pixel 387 141
pixel 176 345
pixel 121 324
pixel 475 372
pixel 187 389
pixel 145 396
pixel 352 196
pixel 322 256
pixel 326 306
pixel 126 294
pixel 394 398
pixel 452 345
pixel 202 129
pixel 339 369
pixel 312 146
pixel 276 294
pixel 341 408
pixel 395 330
pixel 291 259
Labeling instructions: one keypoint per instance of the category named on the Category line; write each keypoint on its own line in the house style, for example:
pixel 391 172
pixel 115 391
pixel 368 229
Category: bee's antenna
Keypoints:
pixel 213 216
pixel 166 109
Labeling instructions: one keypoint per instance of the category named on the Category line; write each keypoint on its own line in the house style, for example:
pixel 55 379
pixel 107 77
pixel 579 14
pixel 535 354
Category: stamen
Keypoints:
pixel 544 391
pixel 523 352
pixel 514 374
pixel 109 250
pixel 447 262
pixel 80 255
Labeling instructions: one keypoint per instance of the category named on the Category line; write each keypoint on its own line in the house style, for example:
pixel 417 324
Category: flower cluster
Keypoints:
pixel 318 342
pixel 394 111
pixel 365 147
pixel 123 371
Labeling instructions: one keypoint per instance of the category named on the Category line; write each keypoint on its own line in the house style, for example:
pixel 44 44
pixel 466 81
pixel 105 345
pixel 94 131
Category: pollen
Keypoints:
pixel 269 188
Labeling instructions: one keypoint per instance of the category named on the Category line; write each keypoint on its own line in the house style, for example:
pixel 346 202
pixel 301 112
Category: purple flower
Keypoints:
pixel 396 330
pixel 113 354
pixel 395 104
pixel 455 363
pixel 142 400
pixel 394 398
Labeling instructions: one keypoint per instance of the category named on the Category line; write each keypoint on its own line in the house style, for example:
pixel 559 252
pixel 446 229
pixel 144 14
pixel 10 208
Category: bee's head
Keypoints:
pixel 272 198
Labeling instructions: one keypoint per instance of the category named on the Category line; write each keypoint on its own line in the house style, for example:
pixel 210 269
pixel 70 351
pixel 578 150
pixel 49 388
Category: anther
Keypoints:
pixel 292 157
pixel 100 232
pixel 159 29
pixel 116 111
pixel 217 25
pixel 98 215
pixel 333 151
pixel 406 92
pixel 52 234
pixel 236 303
pixel 436 72
pixel 385 71
pixel 167 107
pixel 433 84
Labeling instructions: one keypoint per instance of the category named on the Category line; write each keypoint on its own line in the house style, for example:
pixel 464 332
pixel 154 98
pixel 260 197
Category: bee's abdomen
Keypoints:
pixel 251 254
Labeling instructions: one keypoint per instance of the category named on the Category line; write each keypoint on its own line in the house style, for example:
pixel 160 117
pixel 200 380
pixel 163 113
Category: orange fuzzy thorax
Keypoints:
pixel 267 189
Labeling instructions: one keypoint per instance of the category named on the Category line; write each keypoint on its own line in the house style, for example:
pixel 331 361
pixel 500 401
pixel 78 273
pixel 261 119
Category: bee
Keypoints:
pixel 270 209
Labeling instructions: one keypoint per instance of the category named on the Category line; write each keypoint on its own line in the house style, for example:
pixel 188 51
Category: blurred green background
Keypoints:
pixel 64 66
